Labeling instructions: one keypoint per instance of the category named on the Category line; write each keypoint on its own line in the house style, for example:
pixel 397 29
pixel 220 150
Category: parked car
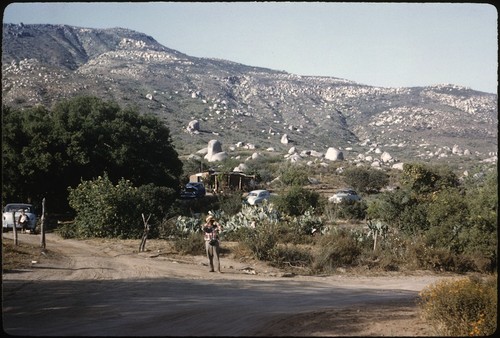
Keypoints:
pixel 17 209
pixel 193 190
pixel 345 195
pixel 256 197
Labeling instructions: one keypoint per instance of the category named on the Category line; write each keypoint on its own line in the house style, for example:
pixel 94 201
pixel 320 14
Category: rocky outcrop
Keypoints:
pixel 214 152
pixel 193 127
pixel 334 154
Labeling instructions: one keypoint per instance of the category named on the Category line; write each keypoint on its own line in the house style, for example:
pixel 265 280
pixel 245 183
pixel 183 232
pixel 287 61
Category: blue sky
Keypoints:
pixel 378 44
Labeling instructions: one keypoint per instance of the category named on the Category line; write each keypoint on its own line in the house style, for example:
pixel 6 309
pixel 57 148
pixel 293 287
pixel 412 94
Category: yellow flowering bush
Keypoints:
pixel 461 307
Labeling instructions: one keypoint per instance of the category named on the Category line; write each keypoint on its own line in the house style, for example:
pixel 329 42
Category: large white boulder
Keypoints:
pixel 386 157
pixel 193 126
pixel 218 157
pixel 333 154
pixel 214 152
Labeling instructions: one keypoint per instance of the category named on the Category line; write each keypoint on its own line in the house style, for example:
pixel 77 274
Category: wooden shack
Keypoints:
pixel 222 181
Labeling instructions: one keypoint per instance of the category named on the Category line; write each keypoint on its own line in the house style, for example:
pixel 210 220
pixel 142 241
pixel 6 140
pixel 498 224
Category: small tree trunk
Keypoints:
pixel 14 228
pixel 142 246
pixel 42 225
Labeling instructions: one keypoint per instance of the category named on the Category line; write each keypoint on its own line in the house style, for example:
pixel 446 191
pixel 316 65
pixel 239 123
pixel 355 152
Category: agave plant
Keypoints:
pixel 309 223
pixel 186 225
pixel 376 229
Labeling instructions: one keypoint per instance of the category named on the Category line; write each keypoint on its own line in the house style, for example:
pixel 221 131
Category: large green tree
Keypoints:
pixel 46 151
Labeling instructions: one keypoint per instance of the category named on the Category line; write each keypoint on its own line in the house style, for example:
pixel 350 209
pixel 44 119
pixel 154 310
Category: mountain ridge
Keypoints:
pixel 42 64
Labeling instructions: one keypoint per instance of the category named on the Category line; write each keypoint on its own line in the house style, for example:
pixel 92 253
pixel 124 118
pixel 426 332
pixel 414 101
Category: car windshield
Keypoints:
pixel 17 207
pixel 347 192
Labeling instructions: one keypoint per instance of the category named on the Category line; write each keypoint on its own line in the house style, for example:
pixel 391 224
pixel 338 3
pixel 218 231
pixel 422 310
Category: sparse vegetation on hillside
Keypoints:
pixel 241 103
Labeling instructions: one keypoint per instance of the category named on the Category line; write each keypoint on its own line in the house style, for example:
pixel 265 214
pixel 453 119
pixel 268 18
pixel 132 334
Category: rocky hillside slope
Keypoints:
pixel 239 104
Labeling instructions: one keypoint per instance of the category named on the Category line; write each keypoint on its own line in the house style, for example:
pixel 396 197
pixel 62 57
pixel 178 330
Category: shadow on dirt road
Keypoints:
pixel 169 307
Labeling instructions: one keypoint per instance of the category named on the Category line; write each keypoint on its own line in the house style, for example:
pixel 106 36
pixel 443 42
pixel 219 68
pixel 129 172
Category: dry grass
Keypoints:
pixel 21 256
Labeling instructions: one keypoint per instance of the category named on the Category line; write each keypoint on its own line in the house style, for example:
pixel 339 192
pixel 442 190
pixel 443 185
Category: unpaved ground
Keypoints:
pixel 108 288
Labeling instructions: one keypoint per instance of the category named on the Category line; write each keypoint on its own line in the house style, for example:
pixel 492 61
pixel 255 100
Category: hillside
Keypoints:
pixel 252 106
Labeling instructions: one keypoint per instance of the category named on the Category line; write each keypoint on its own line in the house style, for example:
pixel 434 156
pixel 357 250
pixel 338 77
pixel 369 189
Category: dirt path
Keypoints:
pixel 107 288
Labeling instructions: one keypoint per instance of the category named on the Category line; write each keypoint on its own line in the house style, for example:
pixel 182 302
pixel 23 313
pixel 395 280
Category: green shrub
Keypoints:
pixel 261 240
pixel 192 244
pixel 350 210
pixel 461 307
pixel 230 203
pixel 423 178
pixel 365 179
pixel 106 210
pixel 442 259
pixel 167 229
pixel 195 206
pixel 293 175
pixel 338 249
pixel 300 229
pixel 67 231
pixel 297 200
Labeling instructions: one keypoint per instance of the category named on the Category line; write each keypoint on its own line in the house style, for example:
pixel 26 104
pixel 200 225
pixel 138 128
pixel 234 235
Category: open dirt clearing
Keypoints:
pixel 108 288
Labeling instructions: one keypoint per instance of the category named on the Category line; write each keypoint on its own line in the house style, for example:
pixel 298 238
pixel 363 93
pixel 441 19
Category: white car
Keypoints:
pixel 345 195
pixel 15 209
pixel 256 197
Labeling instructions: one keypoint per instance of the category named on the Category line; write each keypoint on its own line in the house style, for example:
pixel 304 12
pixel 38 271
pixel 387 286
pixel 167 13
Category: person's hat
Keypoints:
pixel 209 218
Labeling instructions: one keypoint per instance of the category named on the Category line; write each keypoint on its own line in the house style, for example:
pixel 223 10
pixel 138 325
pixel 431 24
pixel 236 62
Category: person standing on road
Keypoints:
pixel 211 230
pixel 23 220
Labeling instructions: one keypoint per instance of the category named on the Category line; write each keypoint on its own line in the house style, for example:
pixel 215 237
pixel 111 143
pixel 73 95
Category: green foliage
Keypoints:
pixel 230 203
pixel 187 225
pixel 401 209
pixel 261 240
pixel 365 180
pixel 308 223
pixel 264 168
pixel 481 234
pixel 191 166
pixel 461 307
pixel 447 215
pixel 249 217
pixel 440 259
pixel 459 223
pixel 107 210
pixel 422 178
pixel 349 210
pixel 297 200
pixel 293 175
pixel 338 249
pixel 45 152
pixel 192 244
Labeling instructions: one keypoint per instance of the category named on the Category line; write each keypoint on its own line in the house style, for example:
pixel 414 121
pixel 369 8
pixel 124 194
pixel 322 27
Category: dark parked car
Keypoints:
pixel 193 190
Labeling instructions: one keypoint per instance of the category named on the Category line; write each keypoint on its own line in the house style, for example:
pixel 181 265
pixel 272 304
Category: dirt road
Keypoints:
pixel 107 288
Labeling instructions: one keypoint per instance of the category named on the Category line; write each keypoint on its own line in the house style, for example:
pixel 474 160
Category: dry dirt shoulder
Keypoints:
pixel 364 306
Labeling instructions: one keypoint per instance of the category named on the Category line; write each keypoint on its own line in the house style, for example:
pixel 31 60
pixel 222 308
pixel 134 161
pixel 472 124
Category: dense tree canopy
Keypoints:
pixel 46 151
